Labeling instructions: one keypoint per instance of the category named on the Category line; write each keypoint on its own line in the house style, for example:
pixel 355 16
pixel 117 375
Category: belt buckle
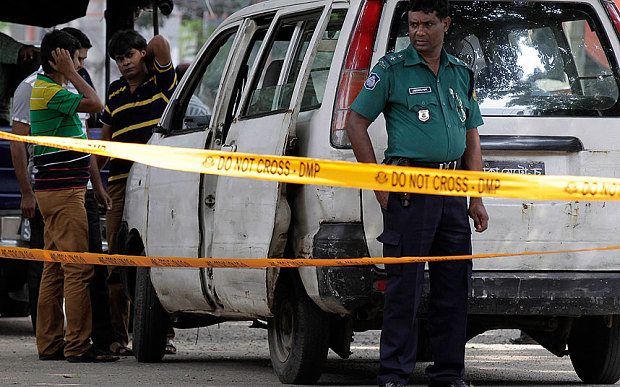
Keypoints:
pixel 448 165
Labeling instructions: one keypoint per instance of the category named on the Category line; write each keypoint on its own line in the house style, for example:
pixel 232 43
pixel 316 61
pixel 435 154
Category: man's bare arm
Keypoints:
pixel 472 160
pixel 357 129
pixel 106 135
pixel 159 49
pixel 20 164
pixel 90 102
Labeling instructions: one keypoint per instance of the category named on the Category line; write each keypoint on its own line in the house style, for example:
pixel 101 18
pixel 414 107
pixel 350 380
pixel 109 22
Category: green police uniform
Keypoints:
pixel 426 116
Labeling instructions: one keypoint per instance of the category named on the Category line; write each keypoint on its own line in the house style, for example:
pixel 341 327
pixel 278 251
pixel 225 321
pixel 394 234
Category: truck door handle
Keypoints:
pixel 229 148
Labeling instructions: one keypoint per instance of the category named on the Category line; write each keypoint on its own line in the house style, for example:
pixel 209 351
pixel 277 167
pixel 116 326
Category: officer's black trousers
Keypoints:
pixel 431 225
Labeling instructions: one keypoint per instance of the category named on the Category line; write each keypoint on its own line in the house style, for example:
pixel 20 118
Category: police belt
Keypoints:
pixel 406 162
pixel 405 197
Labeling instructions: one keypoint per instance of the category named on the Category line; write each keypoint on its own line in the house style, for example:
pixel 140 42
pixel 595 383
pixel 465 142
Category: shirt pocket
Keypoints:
pixel 416 102
pixel 425 107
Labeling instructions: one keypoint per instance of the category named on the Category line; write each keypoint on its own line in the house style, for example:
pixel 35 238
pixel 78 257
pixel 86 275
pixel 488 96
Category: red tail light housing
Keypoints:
pixel 614 14
pixel 356 69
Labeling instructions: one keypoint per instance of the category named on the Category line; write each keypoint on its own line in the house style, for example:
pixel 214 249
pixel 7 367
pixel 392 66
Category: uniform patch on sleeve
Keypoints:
pixel 372 81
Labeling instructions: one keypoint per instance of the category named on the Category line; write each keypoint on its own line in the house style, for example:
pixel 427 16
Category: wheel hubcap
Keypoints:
pixel 284 323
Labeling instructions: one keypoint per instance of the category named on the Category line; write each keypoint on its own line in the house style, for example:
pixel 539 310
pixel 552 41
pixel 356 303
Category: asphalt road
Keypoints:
pixel 233 354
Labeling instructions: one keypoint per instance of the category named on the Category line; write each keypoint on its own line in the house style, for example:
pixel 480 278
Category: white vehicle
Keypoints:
pixel 278 78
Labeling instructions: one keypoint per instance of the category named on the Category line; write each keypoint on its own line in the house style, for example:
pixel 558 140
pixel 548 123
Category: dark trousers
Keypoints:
pixel 102 333
pixel 431 225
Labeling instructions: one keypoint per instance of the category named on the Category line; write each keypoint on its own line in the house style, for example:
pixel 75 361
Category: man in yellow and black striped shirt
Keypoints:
pixel 136 101
pixel 134 105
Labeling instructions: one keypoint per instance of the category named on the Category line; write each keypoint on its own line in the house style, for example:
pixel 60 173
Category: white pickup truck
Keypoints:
pixel 277 78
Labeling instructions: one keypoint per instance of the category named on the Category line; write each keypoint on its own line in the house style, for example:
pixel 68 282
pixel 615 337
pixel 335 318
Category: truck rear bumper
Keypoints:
pixel 492 293
pixel 545 293
pixel 499 293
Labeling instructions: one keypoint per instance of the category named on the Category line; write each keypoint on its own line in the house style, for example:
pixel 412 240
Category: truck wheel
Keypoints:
pixel 150 320
pixel 298 336
pixel 594 349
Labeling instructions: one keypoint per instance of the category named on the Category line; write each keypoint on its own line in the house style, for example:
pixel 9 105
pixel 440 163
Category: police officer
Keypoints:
pixel 432 115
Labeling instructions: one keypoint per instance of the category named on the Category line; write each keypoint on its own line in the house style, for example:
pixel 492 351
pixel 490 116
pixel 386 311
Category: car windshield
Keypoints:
pixel 529 58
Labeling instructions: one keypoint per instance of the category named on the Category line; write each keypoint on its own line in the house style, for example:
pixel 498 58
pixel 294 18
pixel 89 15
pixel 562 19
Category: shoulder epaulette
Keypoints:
pixel 391 59
pixel 458 61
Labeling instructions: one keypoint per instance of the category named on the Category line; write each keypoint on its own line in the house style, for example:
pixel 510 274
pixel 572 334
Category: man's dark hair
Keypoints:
pixel 53 40
pixel 79 35
pixel 442 7
pixel 123 41
pixel 181 70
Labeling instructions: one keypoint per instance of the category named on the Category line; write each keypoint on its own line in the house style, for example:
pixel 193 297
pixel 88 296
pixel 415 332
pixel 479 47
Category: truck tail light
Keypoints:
pixel 355 70
pixel 379 285
pixel 614 14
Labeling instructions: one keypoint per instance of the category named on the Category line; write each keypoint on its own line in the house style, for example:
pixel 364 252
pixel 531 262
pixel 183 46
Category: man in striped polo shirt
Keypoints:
pixel 60 186
pixel 134 105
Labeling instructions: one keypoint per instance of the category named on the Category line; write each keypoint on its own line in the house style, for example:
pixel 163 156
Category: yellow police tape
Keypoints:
pixel 301 170
pixel 137 260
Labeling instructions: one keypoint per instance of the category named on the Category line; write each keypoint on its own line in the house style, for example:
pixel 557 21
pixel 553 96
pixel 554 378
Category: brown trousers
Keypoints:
pixel 66 229
pixel 119 303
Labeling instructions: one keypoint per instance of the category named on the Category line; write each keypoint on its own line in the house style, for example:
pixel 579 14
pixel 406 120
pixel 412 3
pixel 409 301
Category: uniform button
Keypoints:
pixel 449 126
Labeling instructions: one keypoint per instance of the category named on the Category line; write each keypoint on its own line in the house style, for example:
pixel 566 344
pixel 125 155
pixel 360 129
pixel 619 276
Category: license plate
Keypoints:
pixel 520 167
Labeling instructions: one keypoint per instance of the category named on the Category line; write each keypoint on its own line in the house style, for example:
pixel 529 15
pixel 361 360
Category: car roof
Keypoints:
pixel 273 6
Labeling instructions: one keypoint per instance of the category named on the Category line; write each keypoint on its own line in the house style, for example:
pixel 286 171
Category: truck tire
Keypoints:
pixel 298 336
pixel 150 320
pixel 594 349
pixel 9 307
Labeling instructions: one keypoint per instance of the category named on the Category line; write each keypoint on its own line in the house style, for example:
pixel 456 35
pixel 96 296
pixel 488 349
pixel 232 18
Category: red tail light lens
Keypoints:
pixel 379 286
pixel 356 68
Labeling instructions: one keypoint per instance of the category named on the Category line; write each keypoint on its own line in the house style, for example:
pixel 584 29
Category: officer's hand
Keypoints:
pixel 382 198
pixel 479 214
pixel 28 205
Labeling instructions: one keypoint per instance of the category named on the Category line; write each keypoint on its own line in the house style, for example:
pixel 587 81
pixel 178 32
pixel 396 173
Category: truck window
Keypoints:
pixel 534 59
pixel 315 88
pixel 199 107
pixel 245 69
pixel 272 90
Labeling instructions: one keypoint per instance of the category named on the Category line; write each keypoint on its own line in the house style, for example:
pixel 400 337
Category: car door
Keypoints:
pixel 174 196
pixel 251 217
